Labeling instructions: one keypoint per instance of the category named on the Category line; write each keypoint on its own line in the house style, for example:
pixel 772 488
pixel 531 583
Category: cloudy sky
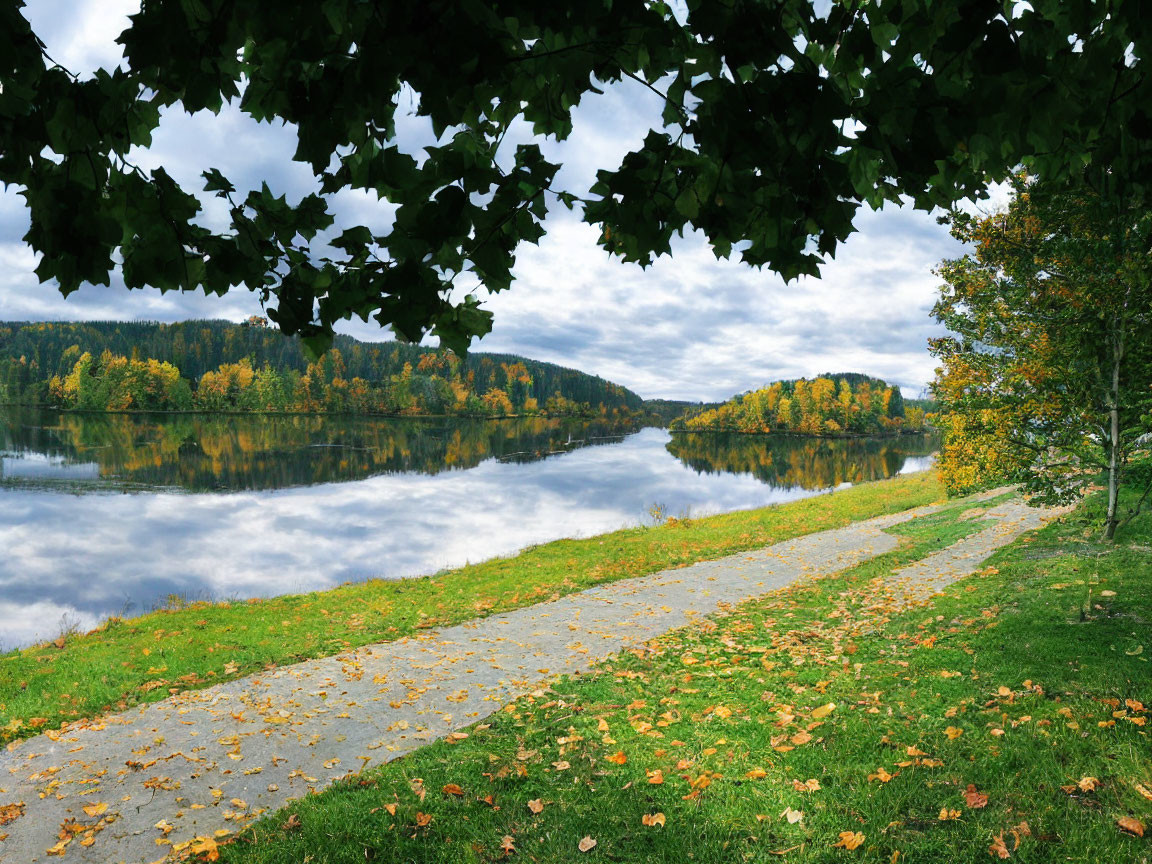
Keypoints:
pixel 691 327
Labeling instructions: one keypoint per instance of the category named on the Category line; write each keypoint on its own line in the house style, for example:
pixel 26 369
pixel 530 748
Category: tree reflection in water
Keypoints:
pixel 807 463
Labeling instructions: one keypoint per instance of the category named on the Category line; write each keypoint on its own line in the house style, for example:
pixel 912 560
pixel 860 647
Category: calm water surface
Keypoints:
pixel 103 515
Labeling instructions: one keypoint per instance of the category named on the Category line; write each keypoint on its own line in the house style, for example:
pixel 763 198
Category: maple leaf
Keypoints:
pixel 587 844
pixel 536 805
pixel 1132 826
pixel 652 820
pixel 975 800
pixel 849 840
pixel 998 849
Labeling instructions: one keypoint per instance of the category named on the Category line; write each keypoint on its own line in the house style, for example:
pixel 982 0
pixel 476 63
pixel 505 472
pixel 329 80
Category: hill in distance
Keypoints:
pixel 219 365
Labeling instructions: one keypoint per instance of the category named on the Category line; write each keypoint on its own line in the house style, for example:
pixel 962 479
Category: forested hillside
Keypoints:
pixel 844 403
pixel 217 365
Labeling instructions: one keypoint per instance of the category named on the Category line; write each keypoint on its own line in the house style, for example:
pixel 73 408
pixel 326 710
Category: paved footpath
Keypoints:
pixel 140 783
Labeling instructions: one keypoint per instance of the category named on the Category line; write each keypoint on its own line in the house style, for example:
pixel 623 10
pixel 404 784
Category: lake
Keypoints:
pixel 113 514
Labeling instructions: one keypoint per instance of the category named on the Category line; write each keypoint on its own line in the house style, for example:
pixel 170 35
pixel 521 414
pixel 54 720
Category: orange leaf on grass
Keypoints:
pixel 998 849
pixel 453 789
pixel 536 805
pixel 651 820
pixel 618 758
pixel 975 800
pixel 849 840
pixel 1132 826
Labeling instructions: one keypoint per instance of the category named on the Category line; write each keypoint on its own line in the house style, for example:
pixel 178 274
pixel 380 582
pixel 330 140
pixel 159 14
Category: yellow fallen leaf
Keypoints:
pixel 652 820
pixel 849 840
pixel 536 805
pixel 823 711
pixel 97 809
pixel 947 815
pixel 586 845
pixel 618 758
pixel 1087 784
pixel 953 732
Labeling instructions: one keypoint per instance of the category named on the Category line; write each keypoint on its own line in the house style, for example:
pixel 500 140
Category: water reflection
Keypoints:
pixel 396 510
pixel 215 452
pixel 805 463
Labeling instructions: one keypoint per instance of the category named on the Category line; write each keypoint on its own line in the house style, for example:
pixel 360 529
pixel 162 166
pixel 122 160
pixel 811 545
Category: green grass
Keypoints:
pixel 1030 658
pixel 144 659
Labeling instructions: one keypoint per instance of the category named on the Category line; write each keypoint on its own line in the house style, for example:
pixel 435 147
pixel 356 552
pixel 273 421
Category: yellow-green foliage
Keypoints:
pixel 827 405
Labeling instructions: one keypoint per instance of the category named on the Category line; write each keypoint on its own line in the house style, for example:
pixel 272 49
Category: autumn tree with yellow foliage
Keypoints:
pixel 1047 380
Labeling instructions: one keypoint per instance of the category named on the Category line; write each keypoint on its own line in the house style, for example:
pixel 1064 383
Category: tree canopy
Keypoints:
pixel 780 120
pixel 1048 378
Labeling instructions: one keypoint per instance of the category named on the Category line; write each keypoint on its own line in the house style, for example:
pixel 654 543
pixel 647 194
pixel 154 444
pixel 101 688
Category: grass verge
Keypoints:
pixel 826 722
pixel 144 659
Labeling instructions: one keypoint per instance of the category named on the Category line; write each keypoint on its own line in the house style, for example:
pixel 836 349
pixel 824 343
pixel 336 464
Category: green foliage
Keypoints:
pixel 780 120
pixel 848 403
pixel 1048 378
pixel 251 367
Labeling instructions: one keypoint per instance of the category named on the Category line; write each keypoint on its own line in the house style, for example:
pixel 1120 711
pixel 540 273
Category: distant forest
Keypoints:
pixel 221 366
pixel 846 403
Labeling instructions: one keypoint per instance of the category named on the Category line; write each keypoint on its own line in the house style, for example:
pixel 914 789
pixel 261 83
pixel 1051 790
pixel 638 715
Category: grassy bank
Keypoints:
pixel 825 722
pixel 146 658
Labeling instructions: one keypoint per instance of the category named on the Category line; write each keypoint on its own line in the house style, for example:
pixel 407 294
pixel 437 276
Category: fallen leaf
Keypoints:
pixel 652 820
pixel 1087 784
pixel 849 840
pixel 293 822
pixel 507 845
pixel 823 711
pixel 562 765
pixel 586 845
pixel 97 809
pixel 423 820
pixel 618 758
pixel 1142 789
pixel 793 816
pixel 998 849
pixel 881 775
pixel 536 805
pixel 1132 826
pixel 655 777
pixel 453 789
pixel 975 800
pixel 947 815
pixel 756 774
pixel 953 732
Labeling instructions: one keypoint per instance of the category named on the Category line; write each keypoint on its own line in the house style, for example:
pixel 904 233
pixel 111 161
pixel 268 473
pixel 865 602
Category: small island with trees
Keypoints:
pixel 842 404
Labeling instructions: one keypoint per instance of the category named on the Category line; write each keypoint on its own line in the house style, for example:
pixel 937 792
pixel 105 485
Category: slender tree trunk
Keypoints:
pixel 1114 439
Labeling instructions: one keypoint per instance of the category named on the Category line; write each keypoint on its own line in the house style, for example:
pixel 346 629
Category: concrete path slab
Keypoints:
pixel 137 784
